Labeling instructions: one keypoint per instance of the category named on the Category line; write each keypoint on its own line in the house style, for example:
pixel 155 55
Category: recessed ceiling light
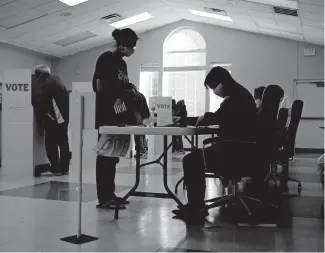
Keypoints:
pixel 211 15
pixel 131 20
pixel 292 4
pixel 73 2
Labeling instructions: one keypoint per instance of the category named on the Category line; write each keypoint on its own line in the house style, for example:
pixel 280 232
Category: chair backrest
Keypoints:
pixel 296 111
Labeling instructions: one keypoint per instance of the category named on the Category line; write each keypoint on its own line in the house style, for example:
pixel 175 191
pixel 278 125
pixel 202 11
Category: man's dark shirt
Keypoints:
pixel 51 88
pixel 236 115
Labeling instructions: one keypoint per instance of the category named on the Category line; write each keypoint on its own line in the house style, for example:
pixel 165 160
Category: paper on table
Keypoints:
pixel 113 145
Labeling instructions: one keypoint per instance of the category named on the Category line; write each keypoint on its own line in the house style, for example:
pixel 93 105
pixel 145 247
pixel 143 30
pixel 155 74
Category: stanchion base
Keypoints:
pixel 81 240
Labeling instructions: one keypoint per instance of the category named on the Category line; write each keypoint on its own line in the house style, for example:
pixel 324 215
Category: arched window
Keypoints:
pixel 184 69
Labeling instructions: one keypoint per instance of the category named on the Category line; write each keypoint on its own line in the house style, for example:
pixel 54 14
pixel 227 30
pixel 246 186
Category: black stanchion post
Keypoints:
pixel 80 238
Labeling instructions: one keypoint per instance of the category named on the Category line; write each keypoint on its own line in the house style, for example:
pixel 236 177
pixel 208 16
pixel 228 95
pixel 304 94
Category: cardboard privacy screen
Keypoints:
pixel 113 145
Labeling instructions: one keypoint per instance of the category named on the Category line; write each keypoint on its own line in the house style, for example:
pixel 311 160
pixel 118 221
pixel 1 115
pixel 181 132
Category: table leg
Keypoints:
pixel 170 193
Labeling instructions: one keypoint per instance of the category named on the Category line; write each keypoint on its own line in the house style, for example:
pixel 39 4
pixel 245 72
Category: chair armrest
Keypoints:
pixel 217 140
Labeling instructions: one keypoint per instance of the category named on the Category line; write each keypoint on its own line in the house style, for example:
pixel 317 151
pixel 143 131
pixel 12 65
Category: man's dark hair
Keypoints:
pixel 125 37
pixel 216 76
pixel 258 92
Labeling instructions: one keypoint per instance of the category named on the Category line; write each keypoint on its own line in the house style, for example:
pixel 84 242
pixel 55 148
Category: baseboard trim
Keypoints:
pixel 309 151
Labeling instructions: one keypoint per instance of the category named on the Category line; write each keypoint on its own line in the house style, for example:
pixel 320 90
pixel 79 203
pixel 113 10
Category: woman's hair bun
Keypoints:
pixel 116 34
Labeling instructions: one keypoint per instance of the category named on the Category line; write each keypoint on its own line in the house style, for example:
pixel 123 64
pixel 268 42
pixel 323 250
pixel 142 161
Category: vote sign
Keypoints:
pixel 16 103
pixel 163 107
pixel 17 87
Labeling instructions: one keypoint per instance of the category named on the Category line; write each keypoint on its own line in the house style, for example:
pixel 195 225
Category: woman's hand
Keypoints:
pixel 139 118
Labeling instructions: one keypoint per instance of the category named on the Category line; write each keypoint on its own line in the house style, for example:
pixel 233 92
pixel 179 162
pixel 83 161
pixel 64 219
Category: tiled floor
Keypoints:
pixel 36 213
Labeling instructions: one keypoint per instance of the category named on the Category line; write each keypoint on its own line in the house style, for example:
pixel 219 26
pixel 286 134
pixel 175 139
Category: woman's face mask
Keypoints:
pixel 127 51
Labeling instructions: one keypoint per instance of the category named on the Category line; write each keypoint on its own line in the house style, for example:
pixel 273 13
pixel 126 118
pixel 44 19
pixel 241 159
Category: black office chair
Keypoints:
pixel 286 152
pixel 279 138
pixel 251 155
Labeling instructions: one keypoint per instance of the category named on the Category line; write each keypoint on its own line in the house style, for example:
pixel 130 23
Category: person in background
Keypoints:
pixel 179 115
pixel 110 80
pixel 52 107
pixel 258 94
pixel 142 114
pixel 236 120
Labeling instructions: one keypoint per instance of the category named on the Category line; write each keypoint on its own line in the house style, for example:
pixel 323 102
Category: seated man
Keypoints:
pixel 236 119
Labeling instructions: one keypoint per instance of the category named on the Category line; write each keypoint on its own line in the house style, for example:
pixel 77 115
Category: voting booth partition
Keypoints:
pixel 22 147
pixel 163 108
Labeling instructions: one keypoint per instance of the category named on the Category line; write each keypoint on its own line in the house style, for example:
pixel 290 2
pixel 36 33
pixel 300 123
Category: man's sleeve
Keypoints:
pixel 105 71
pixel 218 117
pixel 46 98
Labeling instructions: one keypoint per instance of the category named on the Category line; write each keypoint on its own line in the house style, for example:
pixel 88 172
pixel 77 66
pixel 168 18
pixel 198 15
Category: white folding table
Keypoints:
pixel 165 131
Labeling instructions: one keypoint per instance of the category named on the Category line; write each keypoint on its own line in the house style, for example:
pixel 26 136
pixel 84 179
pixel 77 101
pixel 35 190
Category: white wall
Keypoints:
pixel 256 59
pixel 12 57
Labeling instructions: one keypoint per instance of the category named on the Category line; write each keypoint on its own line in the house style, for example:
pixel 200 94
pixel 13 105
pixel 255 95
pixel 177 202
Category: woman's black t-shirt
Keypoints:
pixel 111 70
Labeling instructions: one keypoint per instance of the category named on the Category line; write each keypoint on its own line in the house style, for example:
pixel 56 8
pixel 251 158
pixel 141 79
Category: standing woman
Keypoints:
pixel 109 82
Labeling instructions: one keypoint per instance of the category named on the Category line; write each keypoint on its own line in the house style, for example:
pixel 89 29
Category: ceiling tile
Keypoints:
pixel 260 14
pixel 21 18
pixel 311 8
pixel 34 25
pixel 94 5
pixel 289 27
pixel 114 8
pixel 311 16
pixel 64 34
pixel 309 22
pixel 287 19
pixel 237 7
pixel 259 7
pixel 314 2
pixel 3 2
pixel 263 22
pixel 38 43
pixel 237 16
pixel 52 7
pixel 12 8
pixel 90 25
pixel 103 30
pixel 33 3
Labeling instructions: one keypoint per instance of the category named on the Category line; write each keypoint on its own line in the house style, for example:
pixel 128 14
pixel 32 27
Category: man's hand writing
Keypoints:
pixel 199 121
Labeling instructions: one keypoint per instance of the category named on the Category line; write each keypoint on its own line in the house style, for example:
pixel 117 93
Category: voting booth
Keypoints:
pixel 22 147
pixel 163 108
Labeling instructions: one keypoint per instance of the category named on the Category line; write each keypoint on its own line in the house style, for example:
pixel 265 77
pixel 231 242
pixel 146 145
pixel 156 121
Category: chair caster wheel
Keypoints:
pixel 299 188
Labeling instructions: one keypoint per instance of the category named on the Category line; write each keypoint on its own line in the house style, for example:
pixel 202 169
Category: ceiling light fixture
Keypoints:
pixel 73 2
pixel 211 15
pixel 131 20
pixel 291 4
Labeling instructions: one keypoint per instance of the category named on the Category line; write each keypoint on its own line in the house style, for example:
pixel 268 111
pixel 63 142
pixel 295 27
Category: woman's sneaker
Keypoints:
pixel 110 205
